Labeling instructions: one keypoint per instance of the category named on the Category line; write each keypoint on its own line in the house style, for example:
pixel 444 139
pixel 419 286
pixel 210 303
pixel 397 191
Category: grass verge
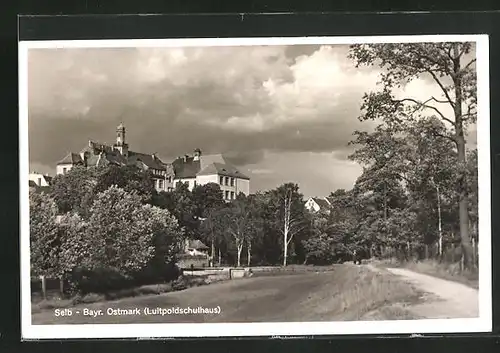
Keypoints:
pixel 373 294
pixel 182 283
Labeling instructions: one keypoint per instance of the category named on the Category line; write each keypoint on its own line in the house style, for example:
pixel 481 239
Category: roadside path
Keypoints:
pixel 444 299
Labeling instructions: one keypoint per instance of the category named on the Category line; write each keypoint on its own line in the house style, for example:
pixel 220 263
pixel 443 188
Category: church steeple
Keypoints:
pixel 120 144
pixel 120 135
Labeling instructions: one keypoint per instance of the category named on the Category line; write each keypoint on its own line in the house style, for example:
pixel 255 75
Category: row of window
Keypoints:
pixel 226 181
pixel 229 195
pixel 222 181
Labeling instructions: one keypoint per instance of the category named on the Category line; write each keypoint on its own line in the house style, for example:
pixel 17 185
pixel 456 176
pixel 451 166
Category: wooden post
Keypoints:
pixel 44 287
pixel 473 252
pixel 61 286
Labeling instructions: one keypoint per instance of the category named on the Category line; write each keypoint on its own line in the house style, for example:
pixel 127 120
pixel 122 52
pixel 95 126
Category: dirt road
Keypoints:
pixel 444 299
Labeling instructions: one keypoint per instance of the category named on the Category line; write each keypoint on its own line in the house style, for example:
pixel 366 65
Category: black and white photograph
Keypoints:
pixel 255 186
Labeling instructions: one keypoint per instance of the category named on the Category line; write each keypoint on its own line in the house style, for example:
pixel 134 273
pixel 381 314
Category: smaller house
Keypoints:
pixel 316 204
pixel 40 179
pixel 196 248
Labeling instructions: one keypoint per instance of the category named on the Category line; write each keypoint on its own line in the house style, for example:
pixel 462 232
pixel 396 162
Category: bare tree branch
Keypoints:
pixel 425 105
pixel 440 84
pixel 469 64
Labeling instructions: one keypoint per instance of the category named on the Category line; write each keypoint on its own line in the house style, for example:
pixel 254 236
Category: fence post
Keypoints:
pixel 473 252
pixel 44 287
pixel 61 286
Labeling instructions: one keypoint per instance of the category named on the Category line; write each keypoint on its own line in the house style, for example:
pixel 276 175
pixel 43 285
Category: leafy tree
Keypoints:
pixel 290 215
pixel 206 198
pixel 124 235
pixel 180 203
pixel 75 191
pixel 129 178
pixel 448 65
pixel 214 231
pixel 44 236
pixel 237 220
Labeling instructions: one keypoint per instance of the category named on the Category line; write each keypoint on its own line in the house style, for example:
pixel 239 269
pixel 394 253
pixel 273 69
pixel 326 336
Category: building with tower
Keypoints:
pixel 192 170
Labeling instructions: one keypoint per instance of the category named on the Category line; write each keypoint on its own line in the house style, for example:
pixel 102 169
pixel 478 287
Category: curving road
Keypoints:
pixel 444 299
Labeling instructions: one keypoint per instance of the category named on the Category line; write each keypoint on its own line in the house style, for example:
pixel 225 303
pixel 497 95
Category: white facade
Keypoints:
pixel 229 186
pixel 63 168
pixel 39 179
pixel 312 206
pixel 191 182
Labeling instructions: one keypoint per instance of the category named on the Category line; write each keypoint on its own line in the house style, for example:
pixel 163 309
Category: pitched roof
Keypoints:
pixel 223 169
pixel 322 203
pixel 101 154
pixel 32 184
pixel 196 244
pixel 71 158
pixel 188 168
pixel 147 159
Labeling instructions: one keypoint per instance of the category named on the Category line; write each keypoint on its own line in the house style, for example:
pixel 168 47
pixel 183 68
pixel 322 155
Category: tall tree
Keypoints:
pixel 451 68
pixel 290 214
pixel 181 205
pixel 129 178
pixel 76 190
pixel 45 239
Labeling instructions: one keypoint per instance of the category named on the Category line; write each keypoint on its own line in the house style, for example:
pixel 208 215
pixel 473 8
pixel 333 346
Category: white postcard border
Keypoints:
pixel 481 324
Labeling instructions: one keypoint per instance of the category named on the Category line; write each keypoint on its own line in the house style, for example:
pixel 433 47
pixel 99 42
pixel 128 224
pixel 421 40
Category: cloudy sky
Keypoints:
pixel 281 113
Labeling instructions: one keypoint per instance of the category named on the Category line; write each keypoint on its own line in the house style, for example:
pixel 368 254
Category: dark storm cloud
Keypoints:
pixel 250 103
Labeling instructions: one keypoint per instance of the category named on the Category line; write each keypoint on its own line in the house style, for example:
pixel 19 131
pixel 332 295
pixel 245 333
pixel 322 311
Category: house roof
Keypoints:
pixel 186 168
pixel 196 244
pixel 151 161
pixel 223 169
pixel 99 154
pixel 71 158
pixel 322 203
pixel 32 184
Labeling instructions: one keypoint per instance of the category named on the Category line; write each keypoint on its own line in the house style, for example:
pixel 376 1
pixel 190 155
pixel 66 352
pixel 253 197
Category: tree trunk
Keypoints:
pixel 440 229
pixel 61 287
pixel 212 260
pixel 220 258
pixel 474 260
pixel 462 184
pixel 249 254
pixel 44 287
pixel 240 248
pixel 285 251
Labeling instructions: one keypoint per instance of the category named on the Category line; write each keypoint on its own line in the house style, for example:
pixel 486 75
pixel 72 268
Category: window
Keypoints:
pixel 64 170
pixel 232 181
pixel 169 179
pixel 160 184
pixel 221 180
pixel 227 195
pixel 194 183
pixel 227 181
pixel 232 195
pixel 39 181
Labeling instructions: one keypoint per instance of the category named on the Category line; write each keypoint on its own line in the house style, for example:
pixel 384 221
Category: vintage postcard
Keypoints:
pixel 255 187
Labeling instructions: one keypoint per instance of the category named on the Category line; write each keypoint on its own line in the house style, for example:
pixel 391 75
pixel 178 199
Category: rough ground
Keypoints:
pixel 344 293
pixel 443 299
pixel 348 292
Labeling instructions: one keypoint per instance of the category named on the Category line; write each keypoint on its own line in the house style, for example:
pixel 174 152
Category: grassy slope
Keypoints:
pixel 347 292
